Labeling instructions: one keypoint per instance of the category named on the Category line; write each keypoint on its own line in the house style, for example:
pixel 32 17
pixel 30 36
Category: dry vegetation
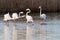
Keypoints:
pixel 18 5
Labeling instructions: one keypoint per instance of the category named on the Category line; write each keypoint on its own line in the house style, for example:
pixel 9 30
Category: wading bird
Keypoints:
pixel 42 16
pixel 28 17
pixel 15 16
pixel 20 15
pixel 7 18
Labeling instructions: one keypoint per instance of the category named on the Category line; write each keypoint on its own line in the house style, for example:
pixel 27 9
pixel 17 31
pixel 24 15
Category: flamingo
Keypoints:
pixel 20 15
pixel 15 16
pixel 42 16
pixel 28 17
pixel 7 17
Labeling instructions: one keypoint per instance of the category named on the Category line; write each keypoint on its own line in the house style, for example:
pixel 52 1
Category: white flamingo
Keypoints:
pixel 42 16
pixel 15 16
pixel 7 17
pixel 28 17
pixel 20 15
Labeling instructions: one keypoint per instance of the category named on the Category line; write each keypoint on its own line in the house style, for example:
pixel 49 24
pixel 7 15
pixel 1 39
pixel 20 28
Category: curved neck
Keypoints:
pixel 28 12
pixel 40 11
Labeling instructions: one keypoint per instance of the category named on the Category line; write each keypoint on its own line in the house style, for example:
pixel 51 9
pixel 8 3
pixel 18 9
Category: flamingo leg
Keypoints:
pixel 7 23
pixel 14 22
pixel 42 21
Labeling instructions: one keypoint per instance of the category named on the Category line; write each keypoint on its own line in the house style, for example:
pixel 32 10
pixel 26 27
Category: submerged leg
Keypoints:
pixel 42 21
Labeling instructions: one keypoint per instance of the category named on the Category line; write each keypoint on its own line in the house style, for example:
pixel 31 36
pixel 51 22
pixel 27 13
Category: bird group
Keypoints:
pixel 29 18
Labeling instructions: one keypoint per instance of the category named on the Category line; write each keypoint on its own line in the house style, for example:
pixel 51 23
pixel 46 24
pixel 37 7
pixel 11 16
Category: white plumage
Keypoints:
pixel 42 16
pixel 21 12
pixel 20 15
pixel 28 17
pixel 15 16
pixel 7 17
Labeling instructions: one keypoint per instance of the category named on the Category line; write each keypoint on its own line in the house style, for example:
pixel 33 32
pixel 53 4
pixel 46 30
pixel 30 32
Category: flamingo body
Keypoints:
pixel 28 17
pixel 7 17
pixel 43 16
pixel 15 16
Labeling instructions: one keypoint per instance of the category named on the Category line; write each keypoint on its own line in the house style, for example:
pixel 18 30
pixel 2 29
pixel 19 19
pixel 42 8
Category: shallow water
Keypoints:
pixel 49 31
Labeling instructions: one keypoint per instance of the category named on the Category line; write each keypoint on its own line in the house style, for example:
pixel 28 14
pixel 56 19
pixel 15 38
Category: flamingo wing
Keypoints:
pixel 7 17
pixel 29 18
pixel 43 16
pixel 14 16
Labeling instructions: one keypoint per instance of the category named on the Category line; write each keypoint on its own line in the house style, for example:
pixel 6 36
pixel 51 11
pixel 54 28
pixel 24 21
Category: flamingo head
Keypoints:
pixel 27 9
pixel 21 12
pixel 39 6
